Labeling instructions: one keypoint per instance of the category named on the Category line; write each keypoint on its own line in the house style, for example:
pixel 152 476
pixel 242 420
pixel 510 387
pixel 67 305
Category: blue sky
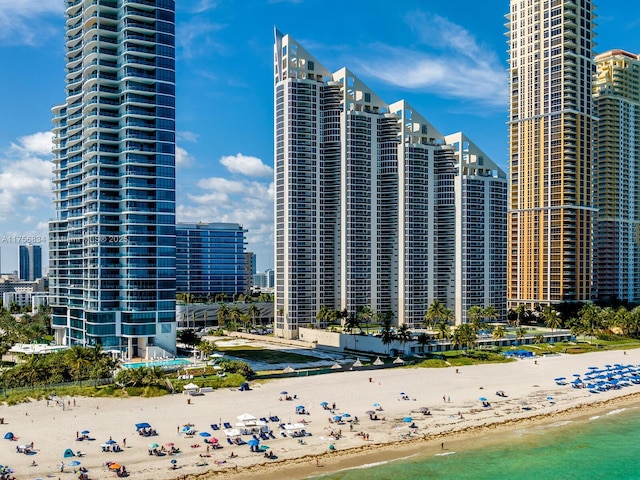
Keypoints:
pixel 446 58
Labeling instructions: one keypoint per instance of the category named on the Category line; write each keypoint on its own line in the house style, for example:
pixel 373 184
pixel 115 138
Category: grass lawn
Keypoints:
pixel 257 354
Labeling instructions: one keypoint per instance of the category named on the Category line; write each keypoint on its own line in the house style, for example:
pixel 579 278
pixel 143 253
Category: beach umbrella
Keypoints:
pixel 115 466
pixel 73 463
pixel 337 418
pixel 482 399
pixel 283 393
pixel 376 404
pixel 186 428
pixel 593 368
pixel 559 379
pixel 85 432
pixel 110 441
pixel 407 419
pixel 336 366
pixel 324 404
pixel 346 415
pixel 369 412
pixel 402 393
pixel 300 407
pixel 170 444
pixel 174 461
pixel 549 398
pixel 204 434
pixel 153 445
pixel 245 417
pixel 142 425
pixel 577 375
pixel 253 442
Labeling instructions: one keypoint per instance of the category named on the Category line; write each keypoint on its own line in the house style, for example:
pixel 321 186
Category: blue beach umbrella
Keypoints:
pixel 376 404
pixel 324 404
pixel 300 407
pixel 204 434
pixel 73 463
pixel 407 419
pixel 482 399
pixel 253 442
pixel 346 415
pixel 110 442
pixel 283 393
pixel 174 461
pixel 559 379
pixel 85 432
pixel 337 418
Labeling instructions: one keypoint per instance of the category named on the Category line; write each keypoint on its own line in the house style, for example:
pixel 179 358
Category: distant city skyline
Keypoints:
pixel 457 78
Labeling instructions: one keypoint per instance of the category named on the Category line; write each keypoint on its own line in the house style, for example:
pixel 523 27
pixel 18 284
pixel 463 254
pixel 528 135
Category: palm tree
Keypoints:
pixel 223 313
pixel 474 315
pixel 499 332
pixel 365 314
pixel 254 312
pixel 423 340
pixel 79 359
pixel 520 311
pixel 466 335
pixel 434 313
pixel 323 316
pixel 520 333
pixel 443 330
pixel 404 335
pixel 551 318
pixel 386 331
pixel 490 313
pixel 235 314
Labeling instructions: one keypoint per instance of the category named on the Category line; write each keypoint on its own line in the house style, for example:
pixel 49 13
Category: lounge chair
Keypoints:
pixel 214 426
pixel 227 425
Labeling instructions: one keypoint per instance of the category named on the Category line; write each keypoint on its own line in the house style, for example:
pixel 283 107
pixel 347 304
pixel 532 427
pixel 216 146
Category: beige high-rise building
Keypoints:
pixel 550 138
pixel 617 183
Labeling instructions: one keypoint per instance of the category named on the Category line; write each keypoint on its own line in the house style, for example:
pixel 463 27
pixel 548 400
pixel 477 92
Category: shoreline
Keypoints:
pixel 359 457
pixel 453 396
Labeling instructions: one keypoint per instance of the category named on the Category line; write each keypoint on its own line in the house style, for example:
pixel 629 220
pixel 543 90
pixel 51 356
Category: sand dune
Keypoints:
pixel 453 399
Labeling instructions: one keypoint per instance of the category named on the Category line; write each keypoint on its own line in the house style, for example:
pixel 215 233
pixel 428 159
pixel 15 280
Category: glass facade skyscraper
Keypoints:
pixel 210 259
pixel 112 243
pixel 30 262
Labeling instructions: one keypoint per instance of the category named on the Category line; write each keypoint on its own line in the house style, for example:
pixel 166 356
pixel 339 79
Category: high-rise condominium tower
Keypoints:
pixel 369 203
pixel 617 183
pixel 112 254
pixel 211 259
pixel 30 262
pixel 550 141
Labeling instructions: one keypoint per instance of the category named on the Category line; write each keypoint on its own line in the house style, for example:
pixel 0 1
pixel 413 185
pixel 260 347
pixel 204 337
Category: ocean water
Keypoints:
pixel 600 447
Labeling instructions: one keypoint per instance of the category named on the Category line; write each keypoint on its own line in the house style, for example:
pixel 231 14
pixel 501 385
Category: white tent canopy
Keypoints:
pixel 232 432
pixel 191 386
pixel 357 363
pixel 398 360
pixel 378 361
pixel 245 417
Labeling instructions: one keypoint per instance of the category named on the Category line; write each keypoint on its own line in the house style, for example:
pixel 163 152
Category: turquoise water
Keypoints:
pixel 175 362
pixel 604 447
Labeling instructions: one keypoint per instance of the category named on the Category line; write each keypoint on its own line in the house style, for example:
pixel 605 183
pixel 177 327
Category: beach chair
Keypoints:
pixel 271 434
pixel 229 441
pixel 214 426
pixel 227 425
pixel 264 420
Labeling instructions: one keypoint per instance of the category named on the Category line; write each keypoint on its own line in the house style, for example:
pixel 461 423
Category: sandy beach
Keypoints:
pixel 453 399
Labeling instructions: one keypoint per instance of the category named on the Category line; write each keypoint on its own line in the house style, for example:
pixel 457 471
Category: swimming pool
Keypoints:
pixel 173 362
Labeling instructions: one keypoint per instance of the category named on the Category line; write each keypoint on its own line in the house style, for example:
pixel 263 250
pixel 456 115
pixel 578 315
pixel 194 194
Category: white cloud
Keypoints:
pixel 25 21
pixel 246 165
pixel 247 202
pixel 183 158
pixel 187 136
pixel 25 180
pixel 447 60
pixel 37 143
